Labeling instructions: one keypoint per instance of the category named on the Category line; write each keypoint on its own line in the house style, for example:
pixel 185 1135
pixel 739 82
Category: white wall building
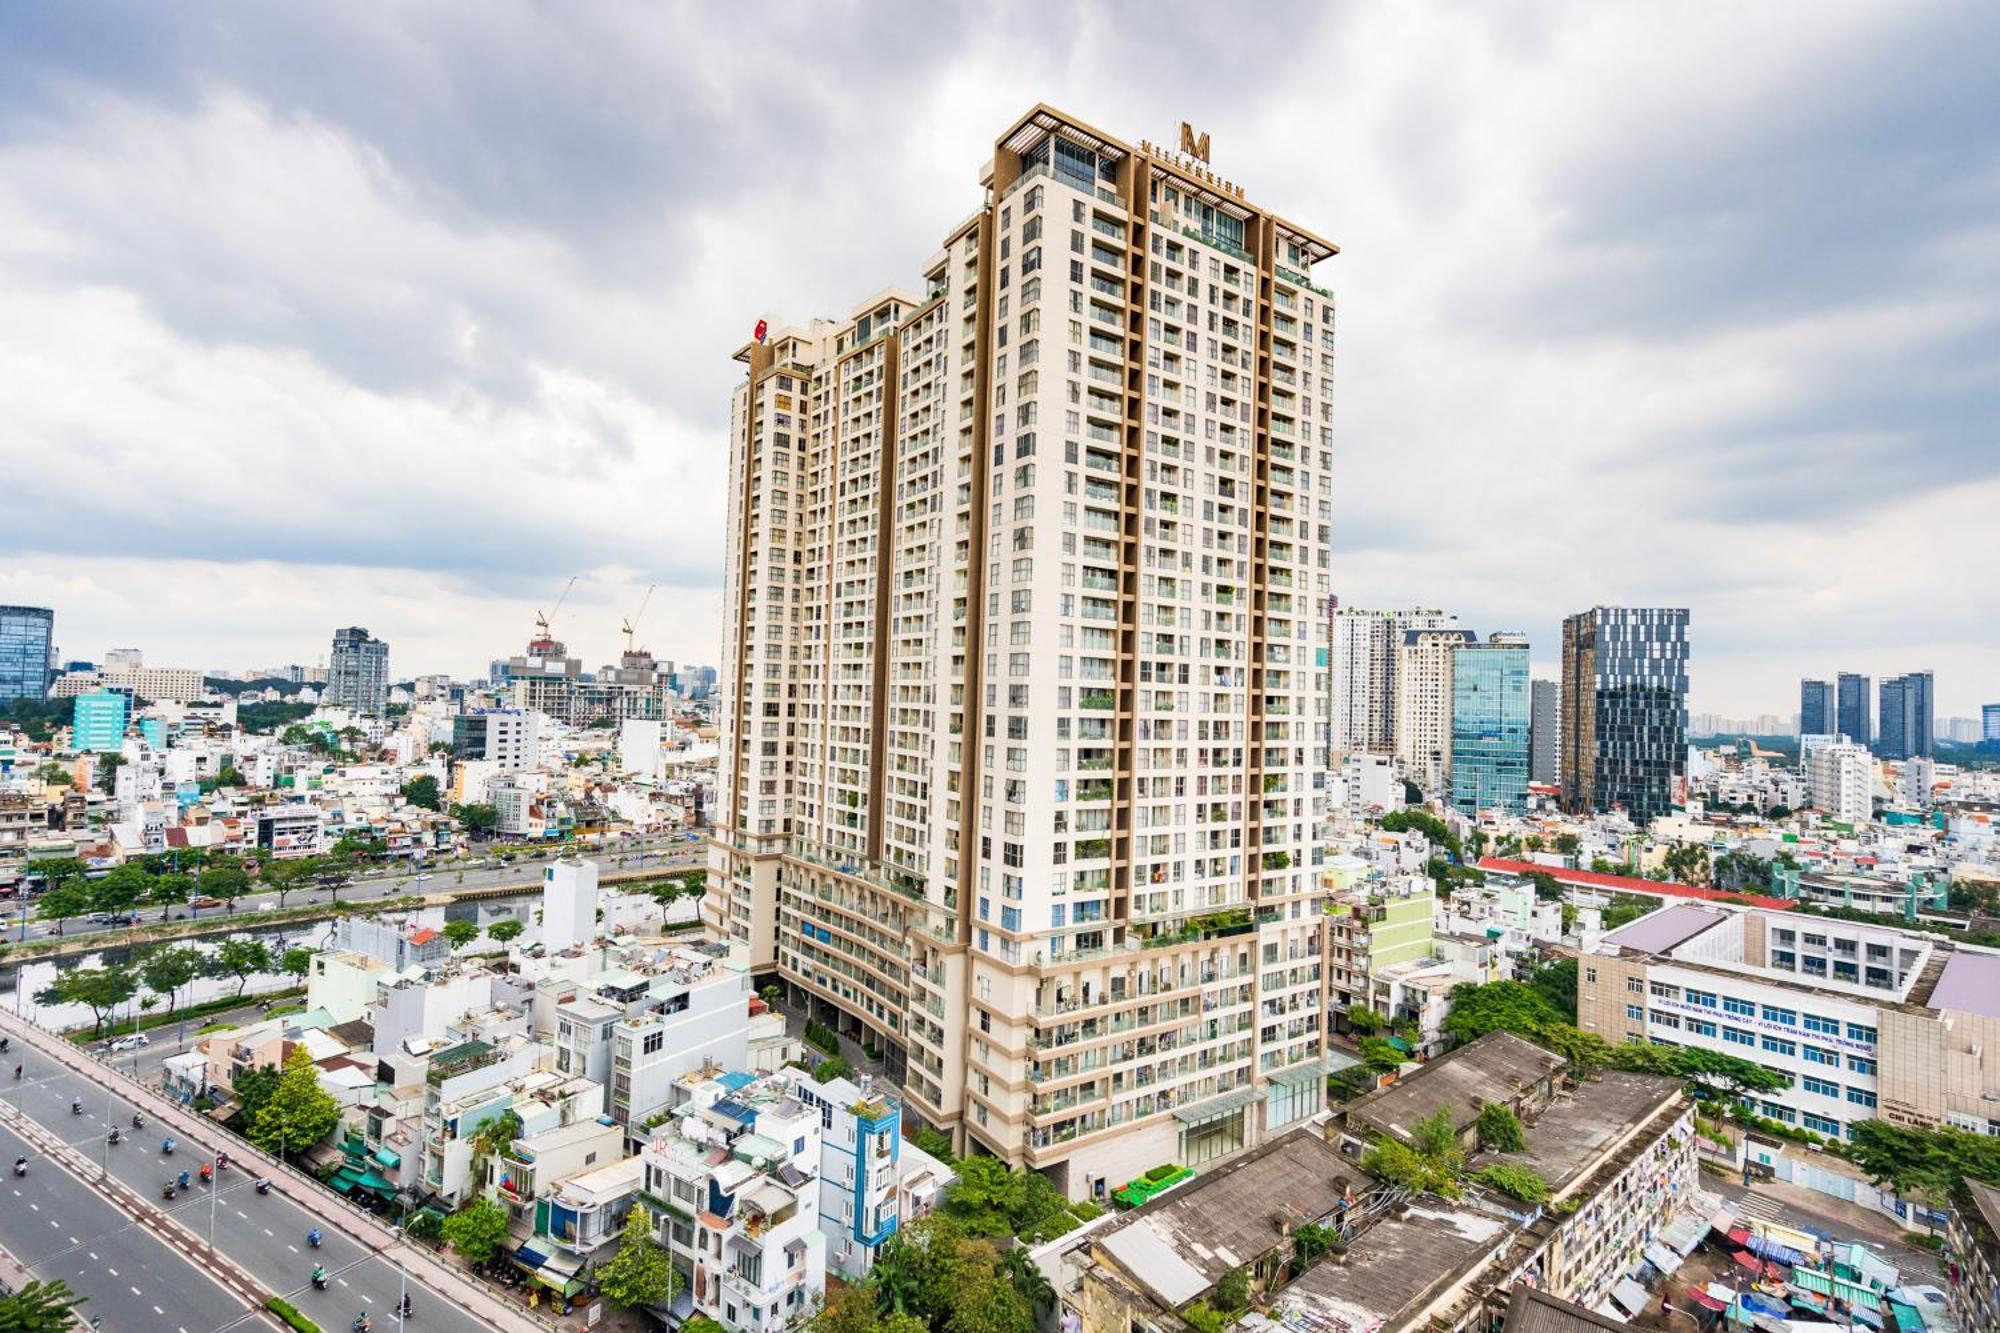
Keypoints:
pixel 1424 662
pixel 1841 778
pixel 569 905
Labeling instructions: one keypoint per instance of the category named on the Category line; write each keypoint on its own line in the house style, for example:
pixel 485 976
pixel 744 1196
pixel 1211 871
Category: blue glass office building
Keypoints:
pixel 1489 725
pixel 25 635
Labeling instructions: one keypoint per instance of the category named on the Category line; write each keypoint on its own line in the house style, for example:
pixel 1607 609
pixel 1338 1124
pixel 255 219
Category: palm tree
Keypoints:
pixel 1028 1279
pixel 895 1278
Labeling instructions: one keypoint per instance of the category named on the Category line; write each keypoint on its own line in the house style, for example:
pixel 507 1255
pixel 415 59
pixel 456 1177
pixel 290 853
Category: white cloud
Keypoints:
pixel 425 321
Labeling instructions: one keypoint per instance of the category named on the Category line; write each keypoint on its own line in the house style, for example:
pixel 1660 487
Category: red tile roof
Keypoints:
pixel 1626 884
pixel 424 936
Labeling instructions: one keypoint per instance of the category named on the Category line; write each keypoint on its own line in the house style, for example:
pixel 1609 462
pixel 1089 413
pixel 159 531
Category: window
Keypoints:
pixel 1826 1027
pixel 1635 1012
pixel 1741 1036
pixel 1820 1055
pixel 1590 974
pixel 1784 1115
pixel 1864 1035
pixel 1860 1064
pixel 1704 998
pixel 1822 1087
pixel 1740 1008
pixel 1779 1046
pixel 1636 985
pixel 1819 1124
pixel 1785 1017
pixel 653 1042
pixel 1666 1020
pixel 1861 1097
pixel 1701 1027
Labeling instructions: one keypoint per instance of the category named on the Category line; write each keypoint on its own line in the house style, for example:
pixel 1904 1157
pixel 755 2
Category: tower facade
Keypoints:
pixel 1624 709
pixel 1024 737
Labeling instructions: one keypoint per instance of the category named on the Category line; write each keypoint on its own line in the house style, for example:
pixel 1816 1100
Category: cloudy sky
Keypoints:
pixel 400 315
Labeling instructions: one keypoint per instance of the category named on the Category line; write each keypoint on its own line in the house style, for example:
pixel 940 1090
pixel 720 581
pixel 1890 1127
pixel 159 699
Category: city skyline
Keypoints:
pixel 541 314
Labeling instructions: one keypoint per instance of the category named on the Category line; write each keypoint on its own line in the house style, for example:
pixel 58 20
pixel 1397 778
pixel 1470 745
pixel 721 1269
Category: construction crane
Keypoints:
pixel 627 626
pixel 542 621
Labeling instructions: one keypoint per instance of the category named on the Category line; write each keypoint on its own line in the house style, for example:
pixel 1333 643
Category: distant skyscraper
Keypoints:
pixel 1905 717
pixel 1624 709
pixel 26 636
pixel 1851 710
pixel 357 676
pixel 1423 704
pixel 1816 708
pixel 1489 725
pixel 98 724
pixel 1545 731
pixel 1362 650
pixel 1990 716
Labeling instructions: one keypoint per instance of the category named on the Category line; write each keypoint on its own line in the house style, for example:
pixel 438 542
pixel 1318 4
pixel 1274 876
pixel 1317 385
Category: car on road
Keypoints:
pixel 130 1042
pixel 204 902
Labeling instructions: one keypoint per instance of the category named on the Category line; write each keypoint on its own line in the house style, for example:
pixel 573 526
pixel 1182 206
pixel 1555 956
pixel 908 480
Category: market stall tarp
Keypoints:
pixel 1776 1253
pixel 1663 1258
pixel 1630 1296
pixel 1706 1301
pixel 1857 1294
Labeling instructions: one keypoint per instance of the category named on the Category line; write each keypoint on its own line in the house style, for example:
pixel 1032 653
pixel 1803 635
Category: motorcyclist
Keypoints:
pixel 207 1173
pixel 263 1184
pixel 17 1072
pixel 362 1323
pixel 6 1044
pixel 115 1135
pixel 20 1166
pixel 184 1180
pixel 138 1120
pixel 407 1309
pixel 167 1146
pixel 167 1190
pixel 319 1277
pixel 312 1238
pixel 76 1106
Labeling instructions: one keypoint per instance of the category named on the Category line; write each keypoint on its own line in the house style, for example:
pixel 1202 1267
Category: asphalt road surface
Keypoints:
pixel 265 1235
pixel 469 874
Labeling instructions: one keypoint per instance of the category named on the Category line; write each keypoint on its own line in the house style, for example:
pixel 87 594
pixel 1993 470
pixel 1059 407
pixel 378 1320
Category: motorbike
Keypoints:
pixel 20 1166
pixel 207 1173
pixel 363 1324
pixel 6 1044
pixel 263 1185
pixel 76 1106
pixel 319 1279
pixel 221 1160
pixel 312 1238
pixel 115 1135
pixel 138 1121
pixel 167 1190
pixel 167 1147
pixel 184 1180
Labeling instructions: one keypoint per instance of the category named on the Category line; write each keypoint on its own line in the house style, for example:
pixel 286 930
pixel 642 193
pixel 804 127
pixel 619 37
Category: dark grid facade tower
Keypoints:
pixel 1851 711
pixel 1905 716
pixel 25 635
pixel 1816 712
pixel 1624 724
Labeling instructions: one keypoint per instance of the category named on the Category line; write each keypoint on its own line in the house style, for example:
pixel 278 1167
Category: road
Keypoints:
pixel 468 874
pixel 265 1235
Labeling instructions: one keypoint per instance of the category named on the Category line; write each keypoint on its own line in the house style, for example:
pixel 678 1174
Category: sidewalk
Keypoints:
pixel 361 1227
pixel 13 1277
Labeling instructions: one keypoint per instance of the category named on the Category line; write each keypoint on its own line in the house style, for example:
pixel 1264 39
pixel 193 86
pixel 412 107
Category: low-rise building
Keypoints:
pixel 1972 1239
pixel 1864 1020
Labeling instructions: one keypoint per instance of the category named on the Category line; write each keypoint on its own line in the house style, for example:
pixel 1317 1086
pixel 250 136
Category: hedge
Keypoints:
pixel 288 1312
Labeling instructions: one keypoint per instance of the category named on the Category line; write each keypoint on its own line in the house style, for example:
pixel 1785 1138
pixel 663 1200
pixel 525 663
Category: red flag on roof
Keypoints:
pixel 762 329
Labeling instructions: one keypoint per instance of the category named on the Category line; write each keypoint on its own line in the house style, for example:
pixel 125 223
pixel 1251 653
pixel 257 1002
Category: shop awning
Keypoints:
pixel 1662 1258
pixel 1215 1107
pixel 1630 1296
pixel 1706 1301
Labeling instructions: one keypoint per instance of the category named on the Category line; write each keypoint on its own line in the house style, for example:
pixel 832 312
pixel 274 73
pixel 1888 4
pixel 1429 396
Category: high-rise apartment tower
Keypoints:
pixel 357 675
pixel 1624 709
pixel 1362 649
pixel 1544 731
pixel 1905 717
pixel 26 637
pixel 1025 667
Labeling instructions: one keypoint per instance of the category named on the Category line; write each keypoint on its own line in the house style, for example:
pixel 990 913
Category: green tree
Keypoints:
pixel 1499 1129
pixel 1028 1280
pixel 422 791
pixel 1568 843
pixel 169 891
pixel 1687 863
pixel 460 933
pixel 1556 983
pixel 65 898
pixel 40 1307
pixel 986 1197
pixel 1426 823
pixel 240 957
pixel 642 1272
pixel 505 929
pixel 1362 1019
pixel 107 772
pixel 855 1307
pixel 165 971
pixel 1233 1292
pixel 1381 1055
pixel 54 773
pixel 1548 888
pixel 479 820
pixel 497 1134
pixel 98 989
pixel 896 1275
pixel 229 775
pixel 226 881
pixel 296 962
pixel 121 890
pixel 477 1231
pixel 1519 1181
pixel 288 876
pixel 252 1089
pixel 1510 1006
pixel 299 1113
pixel 1309 1242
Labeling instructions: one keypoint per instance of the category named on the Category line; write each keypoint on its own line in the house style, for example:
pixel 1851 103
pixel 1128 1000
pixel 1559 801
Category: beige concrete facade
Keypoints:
pixel 1025 676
